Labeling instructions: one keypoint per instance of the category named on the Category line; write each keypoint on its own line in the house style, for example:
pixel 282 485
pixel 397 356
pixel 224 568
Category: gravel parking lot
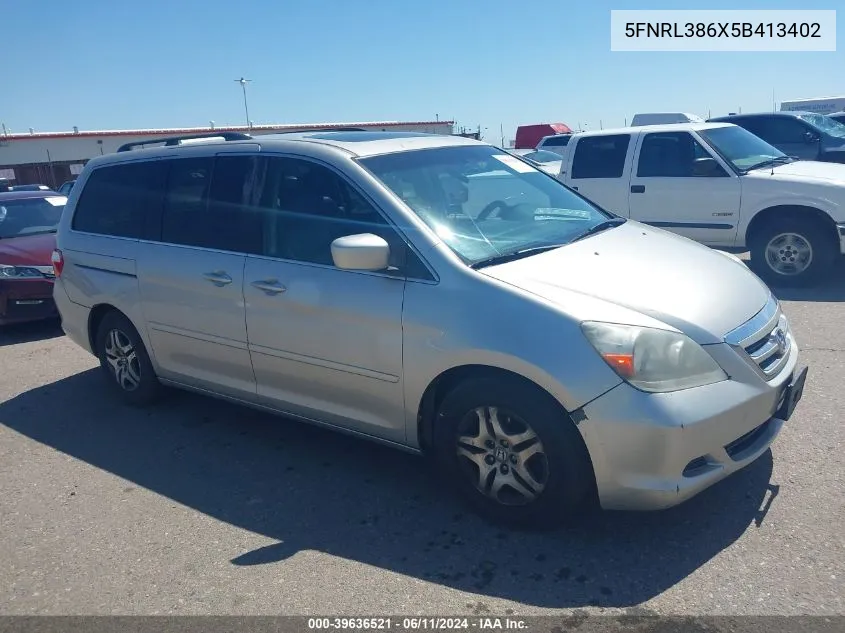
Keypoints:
pixel 200 507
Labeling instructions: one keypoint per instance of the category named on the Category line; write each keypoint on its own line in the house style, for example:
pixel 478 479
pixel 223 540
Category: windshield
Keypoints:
pixel 740 147
pixel 30 216
pixel 483 202
pixel 824 124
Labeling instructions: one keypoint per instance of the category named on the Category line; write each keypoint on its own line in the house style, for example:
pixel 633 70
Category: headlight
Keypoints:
pixel 19 272
pixel 651 359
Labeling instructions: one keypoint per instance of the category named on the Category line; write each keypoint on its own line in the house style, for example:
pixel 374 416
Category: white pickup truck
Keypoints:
pixel 720 185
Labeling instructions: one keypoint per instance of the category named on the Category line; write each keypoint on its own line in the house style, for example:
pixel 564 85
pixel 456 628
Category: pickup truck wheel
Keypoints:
pixel 791 252
pixel 513 454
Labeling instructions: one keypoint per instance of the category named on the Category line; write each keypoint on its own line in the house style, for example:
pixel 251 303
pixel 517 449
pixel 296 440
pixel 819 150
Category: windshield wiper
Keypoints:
pixel 775 160
pixel 513 256
pixel 598 228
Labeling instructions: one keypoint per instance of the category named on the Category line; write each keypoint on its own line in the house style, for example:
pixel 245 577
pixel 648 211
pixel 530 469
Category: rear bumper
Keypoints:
pixel 24 300
pixel 74 317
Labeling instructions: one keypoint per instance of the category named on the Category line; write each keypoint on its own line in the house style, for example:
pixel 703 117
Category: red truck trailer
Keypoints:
pixel 527 136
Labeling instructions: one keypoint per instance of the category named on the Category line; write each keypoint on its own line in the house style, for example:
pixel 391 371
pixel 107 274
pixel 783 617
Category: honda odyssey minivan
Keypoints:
pixel 436 294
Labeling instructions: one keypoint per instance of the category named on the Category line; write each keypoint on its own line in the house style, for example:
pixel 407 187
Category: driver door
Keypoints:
pixel 679 186
pixel 325 343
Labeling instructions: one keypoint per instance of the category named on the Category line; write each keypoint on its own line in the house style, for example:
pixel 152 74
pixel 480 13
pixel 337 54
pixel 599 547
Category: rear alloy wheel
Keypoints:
pixel 512 452
pixel 125 362
pixel 792 252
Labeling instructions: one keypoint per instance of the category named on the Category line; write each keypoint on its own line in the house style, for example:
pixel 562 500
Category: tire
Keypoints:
pixel 562 468
pixel 118 344
pixel 789 242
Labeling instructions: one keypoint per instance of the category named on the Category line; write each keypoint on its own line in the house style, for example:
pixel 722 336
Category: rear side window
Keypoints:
pixel 117 198
pixel 600 156
pixel 205 204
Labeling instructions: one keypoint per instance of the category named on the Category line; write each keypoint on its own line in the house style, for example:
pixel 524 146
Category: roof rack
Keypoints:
pixel 176 140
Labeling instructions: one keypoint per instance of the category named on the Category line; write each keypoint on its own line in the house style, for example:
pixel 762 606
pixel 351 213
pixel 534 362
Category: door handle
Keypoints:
pixel 269 286
pixel 637 188
pixel 218 278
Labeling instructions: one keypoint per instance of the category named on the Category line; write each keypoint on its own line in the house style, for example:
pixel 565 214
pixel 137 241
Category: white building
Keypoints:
pixel 820 105
pixel 51 158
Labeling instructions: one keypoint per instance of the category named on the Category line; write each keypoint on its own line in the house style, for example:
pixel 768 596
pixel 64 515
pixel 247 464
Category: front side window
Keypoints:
pixel 117 198
pixel 741 148
pixel 484 203
pixel 30 216
pixel 305 206
pixel 785 129
pixel 600 156
pixel 674 155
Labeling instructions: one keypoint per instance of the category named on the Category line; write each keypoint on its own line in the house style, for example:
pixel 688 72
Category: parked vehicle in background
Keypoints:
pixel 661 118
pixel 28 221
pixel 720 185
pixel 838 116
pixel 819 105
pixel 554 143
pixel 805 135
pixel 29 188
pixel 66 187
pixel 4 185
pixel 549 162
pixel 339 276
pixel 528 136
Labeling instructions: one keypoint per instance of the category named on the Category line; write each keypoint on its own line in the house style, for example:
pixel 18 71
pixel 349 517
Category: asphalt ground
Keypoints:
pixel 201 507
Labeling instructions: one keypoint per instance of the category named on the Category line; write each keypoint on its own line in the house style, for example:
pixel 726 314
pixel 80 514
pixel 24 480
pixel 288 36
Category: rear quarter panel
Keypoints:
pixel 99 269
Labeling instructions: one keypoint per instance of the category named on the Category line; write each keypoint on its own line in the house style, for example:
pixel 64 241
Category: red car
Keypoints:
pixel 28 221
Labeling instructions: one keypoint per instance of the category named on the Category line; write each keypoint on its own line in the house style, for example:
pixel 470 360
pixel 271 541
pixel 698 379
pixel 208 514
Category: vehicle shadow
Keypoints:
pixel 831 289
pixel 309 488
pixel 30 331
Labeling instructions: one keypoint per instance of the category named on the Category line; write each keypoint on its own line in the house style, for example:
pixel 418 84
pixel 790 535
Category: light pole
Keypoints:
pixel 243 83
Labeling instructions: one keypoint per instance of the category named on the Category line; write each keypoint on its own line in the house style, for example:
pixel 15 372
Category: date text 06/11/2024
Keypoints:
pixel 418 623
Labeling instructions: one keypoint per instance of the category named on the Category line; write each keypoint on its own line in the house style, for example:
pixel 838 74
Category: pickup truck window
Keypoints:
pixel 674 155
pixel 600 156
pixel 784 129
pixel 556 141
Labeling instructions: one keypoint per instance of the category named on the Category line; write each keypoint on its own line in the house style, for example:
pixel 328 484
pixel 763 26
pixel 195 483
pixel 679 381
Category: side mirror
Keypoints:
pixel 364 251
pixel 811 137
pixel 707 167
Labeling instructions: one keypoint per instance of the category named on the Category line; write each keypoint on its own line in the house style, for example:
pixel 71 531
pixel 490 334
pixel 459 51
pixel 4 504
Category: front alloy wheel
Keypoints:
pixel 502 455
pixel 789 254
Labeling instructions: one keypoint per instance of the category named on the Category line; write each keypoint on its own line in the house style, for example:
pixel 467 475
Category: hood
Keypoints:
pixel 810 170
pixel 702 292
pixel 32 250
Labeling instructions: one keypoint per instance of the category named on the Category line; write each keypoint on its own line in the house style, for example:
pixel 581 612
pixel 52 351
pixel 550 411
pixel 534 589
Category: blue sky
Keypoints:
pixel 166 63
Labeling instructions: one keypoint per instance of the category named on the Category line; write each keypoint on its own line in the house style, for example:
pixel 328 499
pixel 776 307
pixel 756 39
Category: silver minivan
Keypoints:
pixel 437 294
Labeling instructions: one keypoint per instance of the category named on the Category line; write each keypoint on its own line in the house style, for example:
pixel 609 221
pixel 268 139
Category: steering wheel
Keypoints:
pixel 488 210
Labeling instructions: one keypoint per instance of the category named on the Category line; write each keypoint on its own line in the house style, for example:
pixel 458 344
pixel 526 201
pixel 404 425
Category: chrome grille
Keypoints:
pixel 764 339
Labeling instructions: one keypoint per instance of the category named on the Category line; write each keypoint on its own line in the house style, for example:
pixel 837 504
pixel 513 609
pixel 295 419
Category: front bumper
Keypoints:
pixel 841 230
pixel 24 300
pixel 654 451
